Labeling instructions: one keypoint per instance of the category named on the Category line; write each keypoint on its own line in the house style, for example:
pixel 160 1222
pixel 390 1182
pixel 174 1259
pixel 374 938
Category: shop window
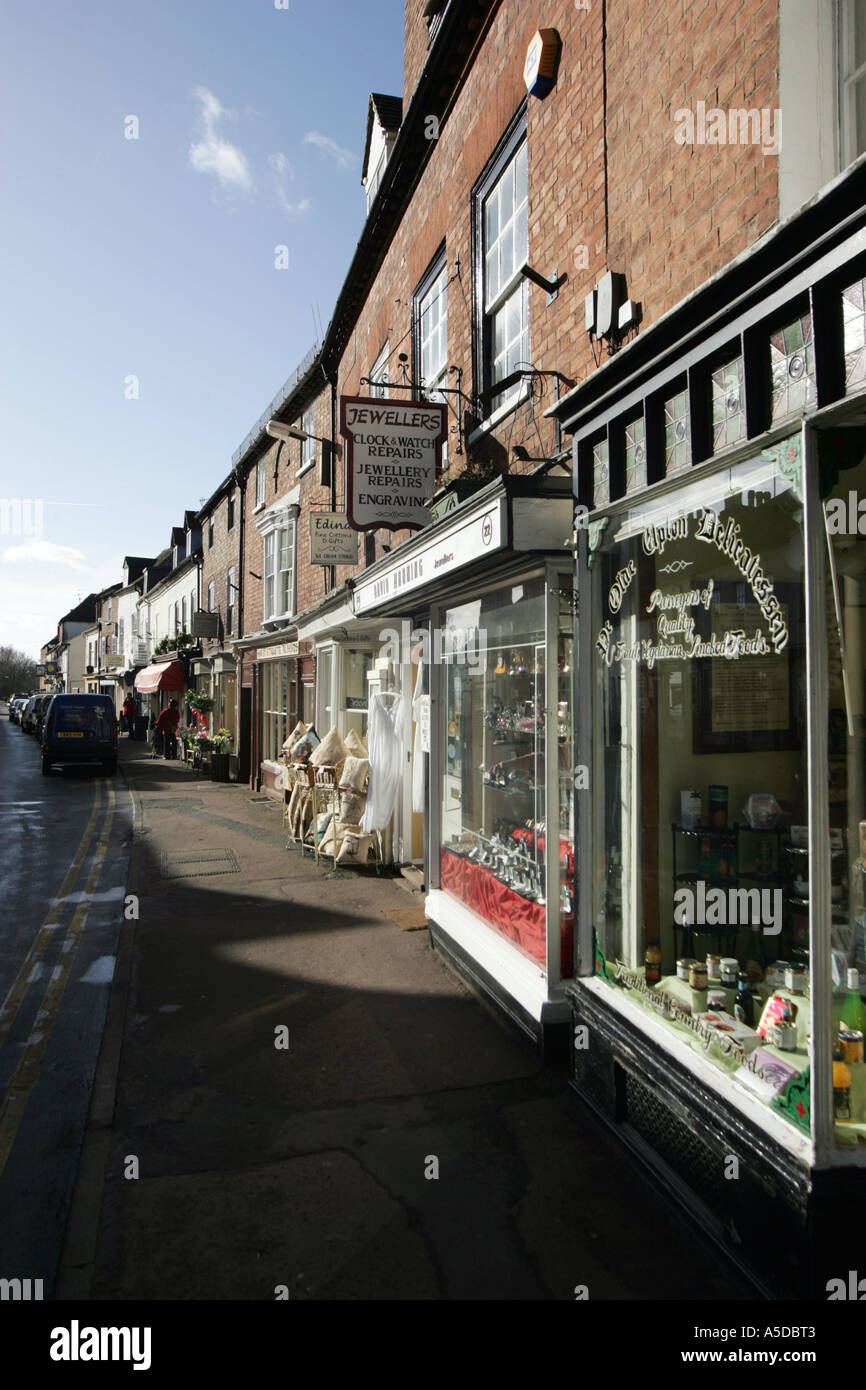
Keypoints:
pixel 792 369
pixel 728 404
pixel 635 455
pixel 845 625
pixel 325 714
pixel 700 786
pixel 677 442
pixel 854 334
pixel 501 216
pixel 356 663
pixel 495 738
pixel 275 708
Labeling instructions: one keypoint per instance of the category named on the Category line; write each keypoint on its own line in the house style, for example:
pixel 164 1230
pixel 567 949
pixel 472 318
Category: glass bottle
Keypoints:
pixel 652 960
pixel 744 1004
pixel 854 1010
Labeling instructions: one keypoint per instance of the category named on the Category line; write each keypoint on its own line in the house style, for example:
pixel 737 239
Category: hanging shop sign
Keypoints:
pixel 393 453
pixel 205 624
pixel 333 541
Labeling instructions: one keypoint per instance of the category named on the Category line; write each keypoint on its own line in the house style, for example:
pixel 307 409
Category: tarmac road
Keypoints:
pixel 64 858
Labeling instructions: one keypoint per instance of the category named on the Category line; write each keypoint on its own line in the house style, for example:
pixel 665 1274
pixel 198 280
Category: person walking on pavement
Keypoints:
pixel 129 713
pixel 166 727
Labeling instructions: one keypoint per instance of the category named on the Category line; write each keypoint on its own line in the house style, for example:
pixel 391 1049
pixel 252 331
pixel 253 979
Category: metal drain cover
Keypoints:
pixel 199 863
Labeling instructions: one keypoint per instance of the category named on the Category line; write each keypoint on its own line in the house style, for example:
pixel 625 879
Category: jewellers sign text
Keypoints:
pixel 393 452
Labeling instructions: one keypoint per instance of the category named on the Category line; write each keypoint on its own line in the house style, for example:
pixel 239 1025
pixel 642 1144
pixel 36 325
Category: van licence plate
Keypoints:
pixel 70 733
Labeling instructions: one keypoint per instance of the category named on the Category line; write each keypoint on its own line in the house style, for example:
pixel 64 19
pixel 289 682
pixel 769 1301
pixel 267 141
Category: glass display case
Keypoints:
pixel 506 786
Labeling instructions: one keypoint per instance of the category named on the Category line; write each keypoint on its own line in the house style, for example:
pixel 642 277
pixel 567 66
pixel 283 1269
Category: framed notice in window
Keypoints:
pixel 751 702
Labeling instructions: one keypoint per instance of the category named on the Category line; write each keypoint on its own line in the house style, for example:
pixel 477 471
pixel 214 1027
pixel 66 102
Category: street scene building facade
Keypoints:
pixel 604 335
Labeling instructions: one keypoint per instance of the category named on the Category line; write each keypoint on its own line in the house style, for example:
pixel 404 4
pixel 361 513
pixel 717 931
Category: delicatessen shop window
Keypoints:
pixel 700 804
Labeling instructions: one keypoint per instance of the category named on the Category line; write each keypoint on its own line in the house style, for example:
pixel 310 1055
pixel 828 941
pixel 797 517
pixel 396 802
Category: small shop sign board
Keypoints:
pixel 333 541
pixel 205 624
pixel 393 453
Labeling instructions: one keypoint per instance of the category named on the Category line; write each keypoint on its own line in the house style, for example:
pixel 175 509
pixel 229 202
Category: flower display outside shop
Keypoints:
pixel 222 741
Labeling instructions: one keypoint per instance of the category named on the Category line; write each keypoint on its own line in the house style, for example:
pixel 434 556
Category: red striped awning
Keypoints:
pixel 162 675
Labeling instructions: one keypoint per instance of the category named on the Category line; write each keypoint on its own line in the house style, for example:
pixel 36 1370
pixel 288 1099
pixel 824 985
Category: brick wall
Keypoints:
pixel 217 559
pixel 668 215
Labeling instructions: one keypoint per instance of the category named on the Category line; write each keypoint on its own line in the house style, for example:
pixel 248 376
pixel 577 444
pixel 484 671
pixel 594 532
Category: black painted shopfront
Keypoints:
pixel 720 462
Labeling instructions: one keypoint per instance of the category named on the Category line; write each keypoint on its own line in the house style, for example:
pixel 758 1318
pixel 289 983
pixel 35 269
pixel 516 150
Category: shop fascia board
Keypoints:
pixel 762 279
pixel 533 515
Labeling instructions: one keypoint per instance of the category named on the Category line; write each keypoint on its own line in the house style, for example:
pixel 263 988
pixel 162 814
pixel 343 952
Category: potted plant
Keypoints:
pixel 200 701
pixel 219 763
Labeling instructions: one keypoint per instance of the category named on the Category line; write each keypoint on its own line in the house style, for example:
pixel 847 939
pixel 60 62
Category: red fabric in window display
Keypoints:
pixel 522 921
pixel 516 917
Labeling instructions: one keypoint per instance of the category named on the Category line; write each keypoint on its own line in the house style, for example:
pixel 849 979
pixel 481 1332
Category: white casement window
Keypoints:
pixel 308 446
pixel 279 547
pixel 183 615
pixel 502 226
pixel 379 374
pixel 176 619
pixel 852 74
pixel 270 550
pixel 260 483
pixel 120 646
pixel 431 333
pixel 210 597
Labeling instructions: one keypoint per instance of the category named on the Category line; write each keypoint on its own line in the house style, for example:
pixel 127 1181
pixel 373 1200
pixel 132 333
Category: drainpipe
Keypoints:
pixel 332 382
pixel 239 673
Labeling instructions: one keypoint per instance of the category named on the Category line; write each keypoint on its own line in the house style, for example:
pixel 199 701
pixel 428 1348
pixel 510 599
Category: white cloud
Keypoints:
pixel 344 159
pixel 44 553
pixel 211 154
pixel 282 174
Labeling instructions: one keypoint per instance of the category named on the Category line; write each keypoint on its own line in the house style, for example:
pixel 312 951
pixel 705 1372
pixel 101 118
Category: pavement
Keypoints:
pixel 297 1097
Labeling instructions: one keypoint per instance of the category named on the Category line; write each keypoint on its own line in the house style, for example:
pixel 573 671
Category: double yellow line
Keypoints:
pixel 26 1073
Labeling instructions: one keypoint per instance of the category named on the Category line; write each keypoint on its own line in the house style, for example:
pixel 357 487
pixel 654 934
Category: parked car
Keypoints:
pixel 20 706
pixel 12 707
pixel 80 729
pixel 40 713
pixel 28 715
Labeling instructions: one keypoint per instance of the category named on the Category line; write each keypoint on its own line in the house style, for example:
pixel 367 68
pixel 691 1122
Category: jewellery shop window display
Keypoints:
pixel 500 724
pixel 700 803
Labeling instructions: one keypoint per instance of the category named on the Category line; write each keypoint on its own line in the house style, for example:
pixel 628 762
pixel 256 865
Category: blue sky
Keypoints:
pixel 154 257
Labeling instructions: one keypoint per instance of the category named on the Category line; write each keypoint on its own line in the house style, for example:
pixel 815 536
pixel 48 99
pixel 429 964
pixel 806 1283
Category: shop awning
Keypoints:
pixel 162 675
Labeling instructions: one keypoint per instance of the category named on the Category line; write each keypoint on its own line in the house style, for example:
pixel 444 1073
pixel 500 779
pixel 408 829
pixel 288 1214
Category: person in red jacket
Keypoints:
pixel 166 725
pixel 129 713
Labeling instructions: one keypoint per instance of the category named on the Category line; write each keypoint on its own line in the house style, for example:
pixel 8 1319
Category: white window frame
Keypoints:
pixel 849 79
pixel 278 527
pixel 307 423
pixel 260 483
pixel 210 597
pixel 431 344
pixel 507 251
